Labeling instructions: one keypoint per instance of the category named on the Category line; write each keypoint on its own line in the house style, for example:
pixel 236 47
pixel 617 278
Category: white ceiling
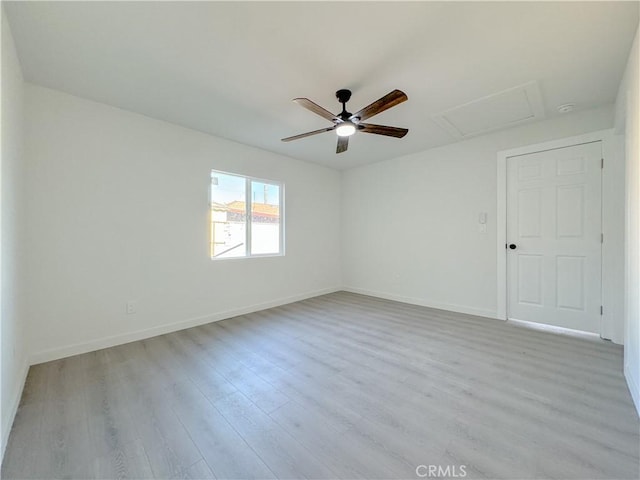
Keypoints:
pixel 232 68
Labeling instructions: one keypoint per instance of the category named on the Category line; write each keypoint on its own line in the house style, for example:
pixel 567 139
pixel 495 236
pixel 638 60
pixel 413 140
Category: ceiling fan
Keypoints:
pixel 346 124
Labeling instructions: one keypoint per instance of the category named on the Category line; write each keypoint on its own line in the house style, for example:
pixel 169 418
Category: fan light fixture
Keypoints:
pixel 346 129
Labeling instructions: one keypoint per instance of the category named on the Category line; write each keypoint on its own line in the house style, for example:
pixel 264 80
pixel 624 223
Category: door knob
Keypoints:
pixel 512 246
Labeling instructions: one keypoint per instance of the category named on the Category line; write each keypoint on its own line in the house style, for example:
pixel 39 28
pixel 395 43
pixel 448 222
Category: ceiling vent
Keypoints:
pixel 494 112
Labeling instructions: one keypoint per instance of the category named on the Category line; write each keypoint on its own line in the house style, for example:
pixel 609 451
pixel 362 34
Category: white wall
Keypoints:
pixel 628 121
pixel 118 210
pixel 13 352
pixel 410 225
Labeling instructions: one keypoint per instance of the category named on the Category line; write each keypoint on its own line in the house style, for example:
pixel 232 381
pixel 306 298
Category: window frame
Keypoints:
pixel 249 215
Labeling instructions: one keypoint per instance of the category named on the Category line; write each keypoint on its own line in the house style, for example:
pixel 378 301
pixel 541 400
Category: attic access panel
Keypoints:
pixel 494 112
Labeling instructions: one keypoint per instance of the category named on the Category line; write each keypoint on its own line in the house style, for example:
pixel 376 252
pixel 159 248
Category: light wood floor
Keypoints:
pixel 339 386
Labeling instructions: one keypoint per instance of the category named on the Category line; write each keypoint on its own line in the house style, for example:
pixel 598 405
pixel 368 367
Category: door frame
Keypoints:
pixel 613 221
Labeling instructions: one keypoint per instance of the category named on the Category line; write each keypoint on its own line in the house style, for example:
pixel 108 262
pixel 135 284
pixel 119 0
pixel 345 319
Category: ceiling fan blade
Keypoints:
pixel 391 99
pixel 315 108
pixel 383 130
pixel 308 134
pixel 343 144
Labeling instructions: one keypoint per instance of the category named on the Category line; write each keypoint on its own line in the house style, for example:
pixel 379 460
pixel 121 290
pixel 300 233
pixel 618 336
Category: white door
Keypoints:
pixel 554 248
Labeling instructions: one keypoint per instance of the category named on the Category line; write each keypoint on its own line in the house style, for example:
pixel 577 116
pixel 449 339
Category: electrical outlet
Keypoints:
pixel 132 307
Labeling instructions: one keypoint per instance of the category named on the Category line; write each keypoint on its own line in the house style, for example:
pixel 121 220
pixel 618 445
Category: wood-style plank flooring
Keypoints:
pixel 338 386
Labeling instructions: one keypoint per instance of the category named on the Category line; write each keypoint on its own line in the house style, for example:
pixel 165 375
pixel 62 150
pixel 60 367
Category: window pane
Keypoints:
pixel 265 218
pixel 228 216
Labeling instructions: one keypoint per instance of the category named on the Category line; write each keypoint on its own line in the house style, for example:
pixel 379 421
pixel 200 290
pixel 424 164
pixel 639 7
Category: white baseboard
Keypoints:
pixel 7 420
pixel 480 312
pixel 634 387
pixel 112 341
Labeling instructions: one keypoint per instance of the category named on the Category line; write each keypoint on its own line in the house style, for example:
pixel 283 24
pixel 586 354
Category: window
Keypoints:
pixel 246 216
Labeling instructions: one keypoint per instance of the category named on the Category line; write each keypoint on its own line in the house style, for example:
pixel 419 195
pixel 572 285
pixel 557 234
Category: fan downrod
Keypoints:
pixel 343 97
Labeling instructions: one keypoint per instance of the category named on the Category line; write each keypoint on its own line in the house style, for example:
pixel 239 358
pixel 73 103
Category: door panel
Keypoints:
pixel 554 219
pixel 529 213
pixel 530 279
pixel 570 211
pixel 570 282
